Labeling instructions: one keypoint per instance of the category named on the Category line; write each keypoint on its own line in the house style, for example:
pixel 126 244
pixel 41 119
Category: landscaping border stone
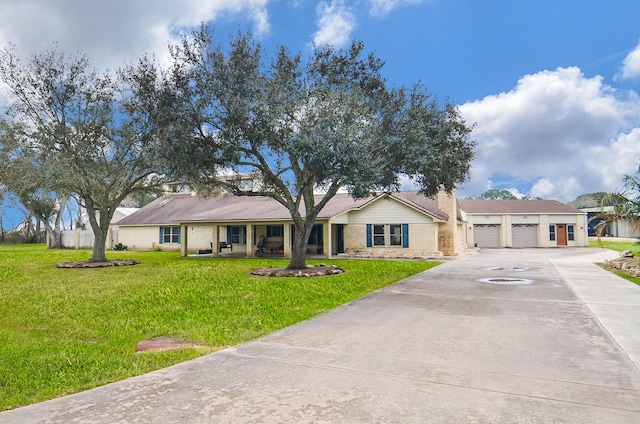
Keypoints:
pixel 86 264
pixel 321 270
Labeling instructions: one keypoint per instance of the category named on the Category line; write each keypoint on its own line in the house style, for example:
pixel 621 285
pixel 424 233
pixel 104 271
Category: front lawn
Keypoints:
pixel 618 246
pixel 68 330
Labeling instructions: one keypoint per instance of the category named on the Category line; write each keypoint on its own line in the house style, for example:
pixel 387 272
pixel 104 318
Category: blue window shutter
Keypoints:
pixel 369 235
pixel 179 234
pixel 160 238
pixel 405 235
pixel 228 235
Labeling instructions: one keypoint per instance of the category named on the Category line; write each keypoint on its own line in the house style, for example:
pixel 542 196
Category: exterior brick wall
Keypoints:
pixel 447 235
pixel 390 253
pixel 422 243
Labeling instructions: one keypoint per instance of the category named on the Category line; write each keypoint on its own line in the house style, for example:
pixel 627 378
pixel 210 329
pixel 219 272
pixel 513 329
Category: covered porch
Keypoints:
pixel 257 239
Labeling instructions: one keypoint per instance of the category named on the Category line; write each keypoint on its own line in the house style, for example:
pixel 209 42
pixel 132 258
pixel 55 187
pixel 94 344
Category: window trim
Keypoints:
pixel 173 234
pixel 571 233
pixel 379 235
pixel 270 232
pixel 241 234
pixel 374 235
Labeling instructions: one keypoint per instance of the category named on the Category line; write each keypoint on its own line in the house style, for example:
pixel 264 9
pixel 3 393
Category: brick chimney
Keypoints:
pixel 448 231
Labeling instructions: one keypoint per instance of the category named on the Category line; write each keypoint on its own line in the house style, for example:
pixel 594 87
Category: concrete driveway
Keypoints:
pixel 501 336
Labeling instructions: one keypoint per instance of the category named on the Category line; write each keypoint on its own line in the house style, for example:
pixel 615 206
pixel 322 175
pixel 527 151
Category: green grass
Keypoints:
pixel 68 330
pixel 622 274
pixel 618 246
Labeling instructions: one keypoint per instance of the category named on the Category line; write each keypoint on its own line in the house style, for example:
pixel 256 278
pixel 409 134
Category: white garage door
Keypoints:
pixel 486 235
pixel 525 235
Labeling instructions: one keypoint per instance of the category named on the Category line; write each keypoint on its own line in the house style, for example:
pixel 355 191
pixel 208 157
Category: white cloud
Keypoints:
pixel 117 30
pixel 631 64
pixel 558 132
pixel 384 7
pixel 336 23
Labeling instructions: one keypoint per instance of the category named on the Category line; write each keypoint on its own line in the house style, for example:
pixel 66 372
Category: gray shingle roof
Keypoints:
pixel 229 208
pixel 478 206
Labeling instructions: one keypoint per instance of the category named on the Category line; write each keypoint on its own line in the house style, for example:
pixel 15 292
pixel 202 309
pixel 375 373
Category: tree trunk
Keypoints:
pixel 100 227
pixel 99 253
pixel 56 231
pixel 38 230
pixel 55 239
pixel 299 247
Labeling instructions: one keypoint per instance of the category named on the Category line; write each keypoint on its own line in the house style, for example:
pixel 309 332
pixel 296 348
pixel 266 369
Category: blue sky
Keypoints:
pixel 552 86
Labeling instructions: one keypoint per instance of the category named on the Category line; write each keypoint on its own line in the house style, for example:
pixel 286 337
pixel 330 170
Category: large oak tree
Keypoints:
pixel 298 124
pixel 91 132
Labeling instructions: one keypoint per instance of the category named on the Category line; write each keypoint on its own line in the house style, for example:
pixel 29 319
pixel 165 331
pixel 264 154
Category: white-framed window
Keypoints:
pixel 379 235
pixel 275 230
pixel 395 235
pixel 237 235
pixel 571 233
pixel 387 235
pixel 170 235
pixel 552 232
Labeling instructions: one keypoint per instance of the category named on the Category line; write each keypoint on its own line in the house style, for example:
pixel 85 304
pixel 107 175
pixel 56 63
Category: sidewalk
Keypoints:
pixel 501 336
pixel 615 304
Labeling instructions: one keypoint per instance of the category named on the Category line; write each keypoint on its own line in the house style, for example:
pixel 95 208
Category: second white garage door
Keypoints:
pixel 525 235
pixel 486 235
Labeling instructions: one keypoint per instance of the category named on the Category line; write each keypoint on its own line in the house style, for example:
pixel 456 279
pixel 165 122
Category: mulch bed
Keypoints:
pixel 85 264
pixel 311 271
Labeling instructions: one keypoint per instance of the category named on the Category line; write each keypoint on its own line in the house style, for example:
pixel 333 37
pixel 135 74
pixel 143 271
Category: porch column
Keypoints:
pixel 215 240
pixel 508 231
pixel 287 240
pixel 249 234
pixel 326 237
pixel 185 241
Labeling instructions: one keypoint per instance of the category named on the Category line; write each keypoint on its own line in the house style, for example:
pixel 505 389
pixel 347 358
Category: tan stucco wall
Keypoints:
pixel 543 232
pixel 462 236
pixel 141 238
pixel 200 236
pixel 542 221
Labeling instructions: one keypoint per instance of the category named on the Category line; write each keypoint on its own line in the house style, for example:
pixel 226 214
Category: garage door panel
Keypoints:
pixel 486 235
pixel 524 235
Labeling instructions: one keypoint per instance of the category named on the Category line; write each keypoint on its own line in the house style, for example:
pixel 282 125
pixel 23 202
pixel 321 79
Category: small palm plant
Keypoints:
pixel 624 205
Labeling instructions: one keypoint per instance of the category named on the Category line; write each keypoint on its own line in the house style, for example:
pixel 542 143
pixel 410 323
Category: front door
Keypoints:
pixel 562 235
pixel 340 237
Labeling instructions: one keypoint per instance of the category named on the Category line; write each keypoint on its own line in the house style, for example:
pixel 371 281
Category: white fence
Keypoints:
pixel 83 239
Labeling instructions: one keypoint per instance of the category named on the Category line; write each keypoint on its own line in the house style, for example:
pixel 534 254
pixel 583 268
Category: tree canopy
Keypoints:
pixel 90 133
pixel 588 200
pixel 303 124
pixel 498 194
pixel 33 184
